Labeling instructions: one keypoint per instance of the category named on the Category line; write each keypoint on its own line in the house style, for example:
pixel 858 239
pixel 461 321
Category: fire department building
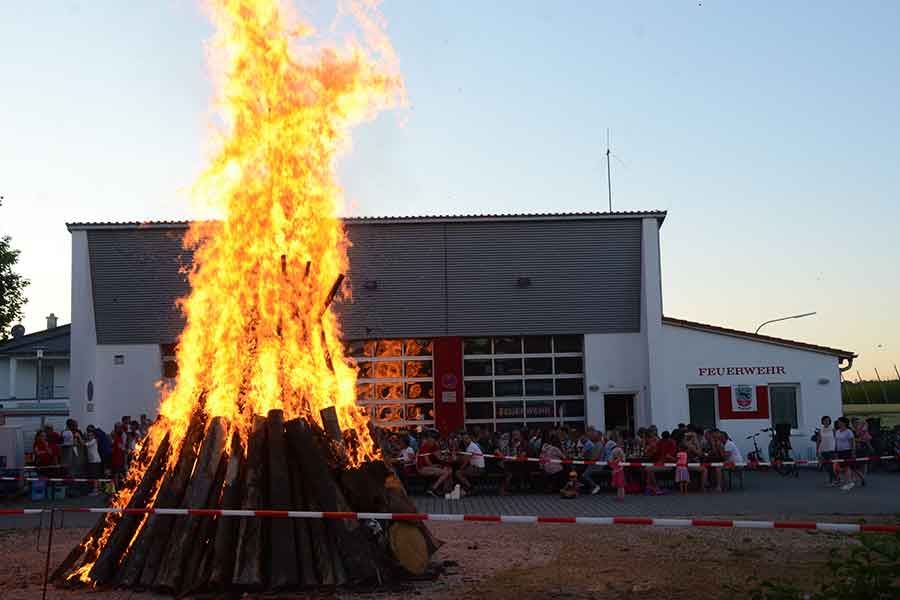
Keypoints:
pixel 496 320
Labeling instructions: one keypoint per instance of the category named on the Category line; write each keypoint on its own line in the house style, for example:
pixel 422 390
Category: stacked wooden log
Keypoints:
pixel 291 465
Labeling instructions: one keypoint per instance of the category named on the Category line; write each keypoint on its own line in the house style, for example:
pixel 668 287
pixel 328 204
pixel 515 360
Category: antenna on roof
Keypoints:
pixel 608 177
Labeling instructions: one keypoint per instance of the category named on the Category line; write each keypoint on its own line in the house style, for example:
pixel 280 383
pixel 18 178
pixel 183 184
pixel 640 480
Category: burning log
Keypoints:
pixel 283 562
pixel 248 570
pixel 199 563
pixel 306 563
pixel 293 466
pixel 226 529
pixel 197 495
pixel 147 551
pixel 355 549
pixel 106 564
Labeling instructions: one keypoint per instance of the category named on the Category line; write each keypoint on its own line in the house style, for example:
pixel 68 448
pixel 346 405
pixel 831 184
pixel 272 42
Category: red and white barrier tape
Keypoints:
pixel 22 511
pixel 519 519
pixel 671 465
pixel 56 479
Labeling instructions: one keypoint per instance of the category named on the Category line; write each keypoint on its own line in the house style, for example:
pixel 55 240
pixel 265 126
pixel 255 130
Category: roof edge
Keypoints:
pixel 659 215
pixel 756 337
pixel 11 344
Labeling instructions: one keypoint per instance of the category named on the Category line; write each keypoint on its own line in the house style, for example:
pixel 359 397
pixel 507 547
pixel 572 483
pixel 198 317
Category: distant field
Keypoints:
pixel 871 392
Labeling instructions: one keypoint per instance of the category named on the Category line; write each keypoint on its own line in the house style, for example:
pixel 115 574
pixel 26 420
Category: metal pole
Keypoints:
pixel 49 549
pixel 897 372
pixel 40 529
pixel 764 323
pixel 865 392
pixel 881 383
pixel 608 172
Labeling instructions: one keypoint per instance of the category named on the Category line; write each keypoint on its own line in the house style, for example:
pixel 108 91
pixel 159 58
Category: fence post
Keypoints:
pixel 881 383
pixel 49 550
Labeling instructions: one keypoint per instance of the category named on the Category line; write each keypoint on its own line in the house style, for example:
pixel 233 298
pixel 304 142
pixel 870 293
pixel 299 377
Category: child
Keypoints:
pixel 618 473
pixel 682 475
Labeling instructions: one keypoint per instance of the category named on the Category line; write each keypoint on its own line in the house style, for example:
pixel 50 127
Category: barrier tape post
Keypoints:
pixel 40 529
pixel 49 549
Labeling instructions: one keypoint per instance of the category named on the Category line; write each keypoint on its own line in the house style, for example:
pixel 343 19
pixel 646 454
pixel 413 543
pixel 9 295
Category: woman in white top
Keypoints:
pixel 825 446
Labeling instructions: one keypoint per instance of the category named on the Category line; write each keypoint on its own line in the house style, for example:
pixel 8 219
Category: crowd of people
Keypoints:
pixel 843 439
pixel 92 452
pixel 459 458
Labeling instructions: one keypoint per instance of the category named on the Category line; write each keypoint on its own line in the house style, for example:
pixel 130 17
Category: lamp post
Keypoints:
pixel 809 314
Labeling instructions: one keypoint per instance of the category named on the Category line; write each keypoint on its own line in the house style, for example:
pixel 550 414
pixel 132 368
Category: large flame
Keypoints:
pixel 259 334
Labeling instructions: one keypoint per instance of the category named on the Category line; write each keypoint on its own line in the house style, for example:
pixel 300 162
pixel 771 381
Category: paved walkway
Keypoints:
pixel 764 494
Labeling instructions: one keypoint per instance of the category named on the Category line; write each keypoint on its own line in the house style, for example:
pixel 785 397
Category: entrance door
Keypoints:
pixel 618 409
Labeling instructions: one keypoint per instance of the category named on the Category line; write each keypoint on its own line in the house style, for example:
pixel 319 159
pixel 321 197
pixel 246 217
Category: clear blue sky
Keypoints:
pixel 769 131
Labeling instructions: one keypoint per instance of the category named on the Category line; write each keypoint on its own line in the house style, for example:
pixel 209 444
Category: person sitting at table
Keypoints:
pixel 472 464
pixel 554 474
pixel 597 452
pixel 716 454
pixel 691 445
pixel 664 450
pixel 428 467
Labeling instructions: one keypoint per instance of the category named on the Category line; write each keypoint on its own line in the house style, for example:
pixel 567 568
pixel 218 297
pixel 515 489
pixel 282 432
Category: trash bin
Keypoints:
pixel 59 492
pixel 38 490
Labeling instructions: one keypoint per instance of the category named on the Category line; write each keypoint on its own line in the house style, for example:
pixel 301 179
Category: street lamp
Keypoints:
pixel 809 314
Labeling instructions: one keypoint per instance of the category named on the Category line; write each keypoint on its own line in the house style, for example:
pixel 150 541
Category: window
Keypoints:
pixel 395 384
pixel 702 405
pixel 513 380
pixel 784 405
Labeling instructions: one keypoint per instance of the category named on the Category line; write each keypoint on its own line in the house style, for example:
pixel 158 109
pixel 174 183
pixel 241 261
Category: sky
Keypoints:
pixel 768 131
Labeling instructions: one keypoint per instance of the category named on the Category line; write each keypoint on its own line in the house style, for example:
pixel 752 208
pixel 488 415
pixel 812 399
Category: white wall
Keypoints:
pixel 126 389
pixel 688 350
pixel 4 377
pixel 651 402
pixel 615 364
pixel 83 333
pixel 61 373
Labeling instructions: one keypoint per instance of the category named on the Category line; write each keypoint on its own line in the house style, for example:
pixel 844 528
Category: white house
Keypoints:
pixel 34 378
pixel 495 320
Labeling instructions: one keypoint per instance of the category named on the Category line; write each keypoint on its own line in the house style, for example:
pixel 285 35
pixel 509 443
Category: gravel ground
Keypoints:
pixel 538 561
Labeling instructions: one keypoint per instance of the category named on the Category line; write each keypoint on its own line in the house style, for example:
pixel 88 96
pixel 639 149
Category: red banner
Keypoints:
pixel 449 396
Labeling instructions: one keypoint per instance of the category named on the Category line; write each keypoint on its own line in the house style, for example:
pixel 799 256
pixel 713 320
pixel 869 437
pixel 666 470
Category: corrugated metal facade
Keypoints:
pixel 462 278
pixel 408 278
pixel 136 275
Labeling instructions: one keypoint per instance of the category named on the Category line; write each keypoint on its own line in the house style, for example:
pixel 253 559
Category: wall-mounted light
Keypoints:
pixel 824 381
pixel 371 284
pixel 523 282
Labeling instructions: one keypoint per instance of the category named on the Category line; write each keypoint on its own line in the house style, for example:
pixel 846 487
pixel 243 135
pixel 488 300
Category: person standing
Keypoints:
pixel 95 466
pixel 843 447
pixel 825 447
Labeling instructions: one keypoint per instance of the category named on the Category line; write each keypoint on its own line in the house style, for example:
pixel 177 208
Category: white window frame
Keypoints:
pixel 372 405
pixel 798 399
pixel 523 399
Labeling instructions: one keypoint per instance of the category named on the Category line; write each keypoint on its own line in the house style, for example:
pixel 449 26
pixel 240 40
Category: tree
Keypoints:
pixel 12 286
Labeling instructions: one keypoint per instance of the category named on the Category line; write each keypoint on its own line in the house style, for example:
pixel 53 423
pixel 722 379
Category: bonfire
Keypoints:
pixel 263 414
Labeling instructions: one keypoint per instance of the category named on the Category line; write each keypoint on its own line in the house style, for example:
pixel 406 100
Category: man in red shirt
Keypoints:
pixel 428 467
pixel 663 451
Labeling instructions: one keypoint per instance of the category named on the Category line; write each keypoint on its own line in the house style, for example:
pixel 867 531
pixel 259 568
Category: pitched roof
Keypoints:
pixel 660 215
pixel 53 341
pixel 758 337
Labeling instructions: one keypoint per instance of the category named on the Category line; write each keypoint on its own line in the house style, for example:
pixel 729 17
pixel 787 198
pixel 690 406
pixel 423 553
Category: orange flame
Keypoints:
pixel 259 335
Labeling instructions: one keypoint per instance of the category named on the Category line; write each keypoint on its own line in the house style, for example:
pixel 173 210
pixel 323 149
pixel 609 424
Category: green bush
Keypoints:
pixel 870 571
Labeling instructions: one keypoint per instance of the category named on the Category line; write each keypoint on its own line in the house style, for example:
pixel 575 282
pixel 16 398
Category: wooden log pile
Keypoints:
pixel 291 465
